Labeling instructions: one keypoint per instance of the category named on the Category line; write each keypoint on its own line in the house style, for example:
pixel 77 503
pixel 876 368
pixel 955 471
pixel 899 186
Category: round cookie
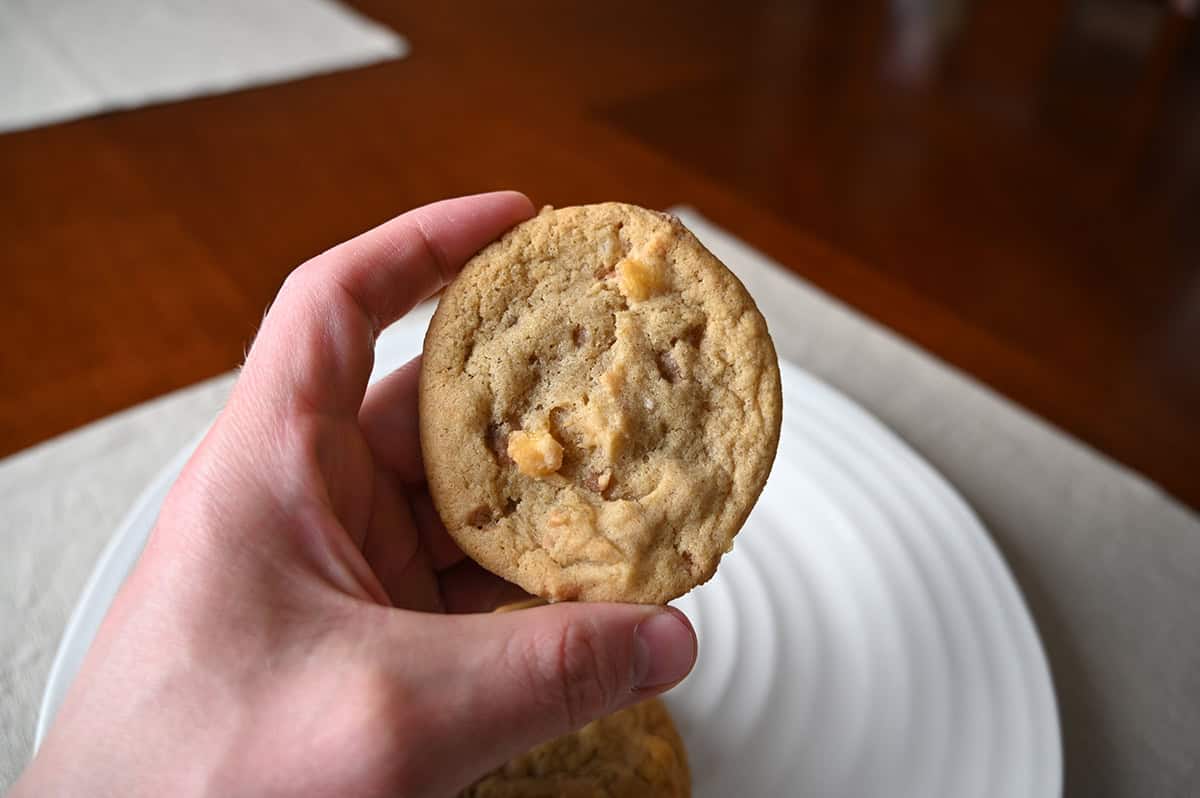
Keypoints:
pixel 634 752
pixel 599 406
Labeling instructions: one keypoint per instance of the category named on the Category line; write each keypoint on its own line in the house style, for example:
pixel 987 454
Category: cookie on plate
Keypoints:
pixel 599 406
pixel 634 752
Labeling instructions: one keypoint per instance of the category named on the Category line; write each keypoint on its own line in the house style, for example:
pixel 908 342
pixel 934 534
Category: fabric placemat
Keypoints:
pixel 62 59
pixel 1109 564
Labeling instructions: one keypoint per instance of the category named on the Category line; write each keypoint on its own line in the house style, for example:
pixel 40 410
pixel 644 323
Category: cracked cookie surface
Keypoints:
pixel 634 752
pixel 599 406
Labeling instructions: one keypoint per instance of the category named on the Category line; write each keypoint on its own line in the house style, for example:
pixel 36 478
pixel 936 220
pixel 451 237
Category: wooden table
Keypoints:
pixel 1009 186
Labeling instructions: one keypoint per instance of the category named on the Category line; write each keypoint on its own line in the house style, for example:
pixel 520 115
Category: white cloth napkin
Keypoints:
pixel 1109 565
pixel 61 59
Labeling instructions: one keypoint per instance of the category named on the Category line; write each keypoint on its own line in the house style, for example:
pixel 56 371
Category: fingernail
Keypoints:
pixel 664 649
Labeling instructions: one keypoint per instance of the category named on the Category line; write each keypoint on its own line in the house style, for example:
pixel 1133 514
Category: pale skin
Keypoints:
pixel 300 623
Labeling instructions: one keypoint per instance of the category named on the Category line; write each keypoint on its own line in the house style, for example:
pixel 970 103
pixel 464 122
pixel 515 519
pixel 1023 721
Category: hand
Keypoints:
pixel 300 623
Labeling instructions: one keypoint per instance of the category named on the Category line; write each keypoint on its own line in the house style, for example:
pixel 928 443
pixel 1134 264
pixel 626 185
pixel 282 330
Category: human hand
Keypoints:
pixel 300 623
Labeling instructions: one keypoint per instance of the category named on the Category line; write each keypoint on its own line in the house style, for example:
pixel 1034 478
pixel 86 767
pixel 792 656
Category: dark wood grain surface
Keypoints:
pixel 1014 187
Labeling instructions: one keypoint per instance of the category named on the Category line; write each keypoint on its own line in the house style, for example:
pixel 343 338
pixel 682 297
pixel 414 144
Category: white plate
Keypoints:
pixel 863 639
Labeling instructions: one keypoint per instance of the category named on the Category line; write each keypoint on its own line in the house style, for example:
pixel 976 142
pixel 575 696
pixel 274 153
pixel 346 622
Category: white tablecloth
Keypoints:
pixel 61 59
pixel 1110 565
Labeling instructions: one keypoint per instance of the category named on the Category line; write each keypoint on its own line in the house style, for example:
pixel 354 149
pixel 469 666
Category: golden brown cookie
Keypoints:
pixel 634 752
pixel 599 406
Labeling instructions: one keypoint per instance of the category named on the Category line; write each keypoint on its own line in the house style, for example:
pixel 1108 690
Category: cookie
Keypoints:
pixel 599 406
pixel 634 752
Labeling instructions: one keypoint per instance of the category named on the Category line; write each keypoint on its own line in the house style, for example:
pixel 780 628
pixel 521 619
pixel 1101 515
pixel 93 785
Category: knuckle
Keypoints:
pixel 297 281
pixel 384 724
pixel 309 285
pixel 578 672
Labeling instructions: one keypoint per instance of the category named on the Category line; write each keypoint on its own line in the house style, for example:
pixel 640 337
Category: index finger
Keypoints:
pixel 316 345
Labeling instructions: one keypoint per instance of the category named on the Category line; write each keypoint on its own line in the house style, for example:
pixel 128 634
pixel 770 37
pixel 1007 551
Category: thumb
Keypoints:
pixel 510 681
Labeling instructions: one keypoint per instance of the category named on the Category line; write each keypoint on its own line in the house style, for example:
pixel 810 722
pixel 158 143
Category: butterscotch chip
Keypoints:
pixel 536 454
pixel 639 281
pixel 600 406
pixel 633 753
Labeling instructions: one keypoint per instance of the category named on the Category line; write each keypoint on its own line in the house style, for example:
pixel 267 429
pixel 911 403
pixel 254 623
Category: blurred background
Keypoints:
pixel 1012 185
